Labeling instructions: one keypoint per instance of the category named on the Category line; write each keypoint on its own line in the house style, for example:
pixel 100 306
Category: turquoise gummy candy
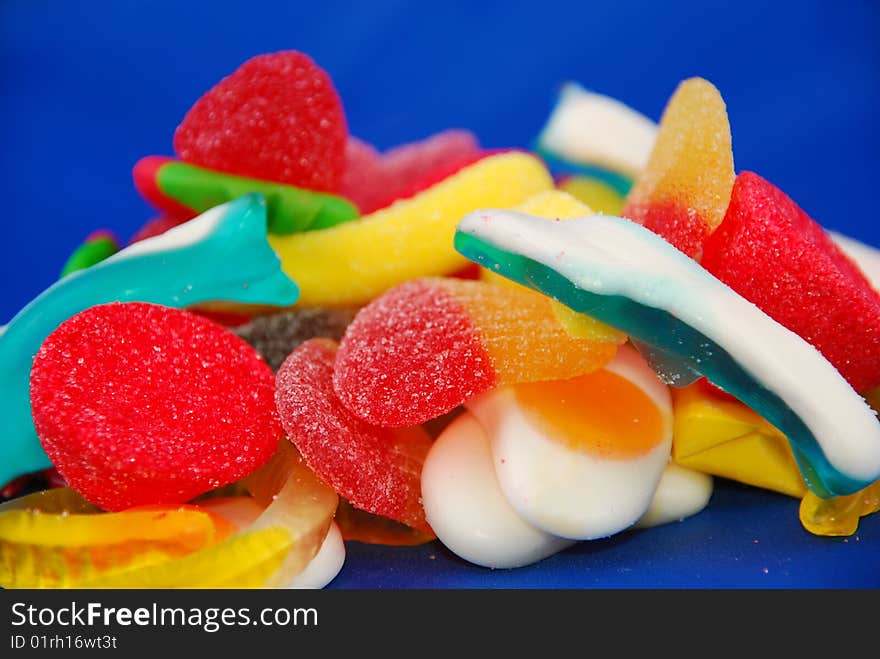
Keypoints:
pixel 690 324
pixel 220 255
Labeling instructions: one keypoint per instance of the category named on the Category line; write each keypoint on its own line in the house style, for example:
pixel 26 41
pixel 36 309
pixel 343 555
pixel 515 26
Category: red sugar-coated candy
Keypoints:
pixel 364 182
pixel 415 341
pixel 771 252
pixel 411 168
pixel 375 180
pixel 276 118
pixel 156 227
pixel 375 469
pixel 681 227
pixel 140 404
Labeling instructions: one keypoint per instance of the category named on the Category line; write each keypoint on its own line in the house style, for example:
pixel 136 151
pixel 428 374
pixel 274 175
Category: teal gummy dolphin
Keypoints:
pixel 222 255
pixel 687 323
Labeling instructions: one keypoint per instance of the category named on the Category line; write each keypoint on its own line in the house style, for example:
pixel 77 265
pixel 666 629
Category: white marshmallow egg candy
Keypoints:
pixel 581 458
pixel 465 506
pixel 681 493
pixel 326 564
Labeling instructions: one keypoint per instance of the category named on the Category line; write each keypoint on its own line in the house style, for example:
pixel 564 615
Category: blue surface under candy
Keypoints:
pixel 745 538
pixel 221 255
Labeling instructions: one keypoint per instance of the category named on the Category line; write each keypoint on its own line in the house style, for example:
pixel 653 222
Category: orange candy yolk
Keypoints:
pixel 600 413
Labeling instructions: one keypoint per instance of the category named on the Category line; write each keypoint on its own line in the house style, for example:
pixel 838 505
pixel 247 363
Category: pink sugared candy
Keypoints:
pixel 140 404
pixel 771 252
pixel 374 180
pixel 376 469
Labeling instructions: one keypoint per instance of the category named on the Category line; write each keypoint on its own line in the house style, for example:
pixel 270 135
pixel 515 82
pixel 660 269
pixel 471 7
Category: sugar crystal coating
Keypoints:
pixel 352 263
pixel 429 345
pixel 139 404
pixel 374 180
pixel 277 117
pixel 376 469
pixel 684 190
pixel 773 254
pixel 415 166
pixel 411 355
pixel 363 179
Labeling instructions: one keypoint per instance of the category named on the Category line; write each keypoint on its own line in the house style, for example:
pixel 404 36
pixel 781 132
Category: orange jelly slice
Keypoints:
pixel 520 331
pixel 600 413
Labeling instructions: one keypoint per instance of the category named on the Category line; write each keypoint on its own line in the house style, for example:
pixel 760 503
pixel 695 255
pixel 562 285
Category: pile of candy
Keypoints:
pixel 316 342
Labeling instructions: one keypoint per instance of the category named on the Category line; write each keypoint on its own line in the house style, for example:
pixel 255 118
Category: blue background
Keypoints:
pixel 88 88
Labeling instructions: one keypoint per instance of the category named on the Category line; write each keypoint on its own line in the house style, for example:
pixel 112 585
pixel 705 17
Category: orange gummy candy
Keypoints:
pixel 684 191
pixel 427 346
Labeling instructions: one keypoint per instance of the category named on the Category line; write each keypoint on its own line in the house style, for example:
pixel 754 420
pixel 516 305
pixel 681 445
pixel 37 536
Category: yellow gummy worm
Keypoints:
pixel 351 263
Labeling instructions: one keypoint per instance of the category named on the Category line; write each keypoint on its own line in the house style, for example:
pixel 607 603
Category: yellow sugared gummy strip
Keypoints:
pixel 728 439
pixel 560 205
pixel 692 160
pixel 354 262
pixel 596 194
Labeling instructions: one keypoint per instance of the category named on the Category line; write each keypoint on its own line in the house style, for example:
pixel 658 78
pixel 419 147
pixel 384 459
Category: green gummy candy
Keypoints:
pixel 89 253
pixel 289 209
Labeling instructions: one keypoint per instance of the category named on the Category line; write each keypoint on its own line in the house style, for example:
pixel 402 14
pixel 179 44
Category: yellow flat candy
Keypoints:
pixel 728 439
pixel 352 263
pixel 560 205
